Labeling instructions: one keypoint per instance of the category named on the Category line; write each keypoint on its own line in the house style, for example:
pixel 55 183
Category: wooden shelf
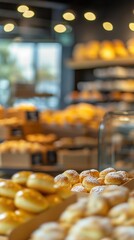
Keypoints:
pixel 88 64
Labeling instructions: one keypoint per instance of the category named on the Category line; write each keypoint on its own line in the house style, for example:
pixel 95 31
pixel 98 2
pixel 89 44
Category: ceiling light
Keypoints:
pixel 108 26
pixel 22 8
pixel 90 16
pixel 131 26
pixel 9 27
pixel 69 16
pixel 28 14
pixel 60 28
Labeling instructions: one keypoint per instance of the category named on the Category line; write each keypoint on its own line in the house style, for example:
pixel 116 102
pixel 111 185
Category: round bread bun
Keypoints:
pixel 91 173
pixel 124 233
pixel 94 228
pixel 63 192
pixel 8 222
pixel 6 204
pixel 72 175
pixel 115 194
pixel 98 189
pixel 101 180
pixel 8 188
pixel 31 201
pixel 25 216
pixel 41 182
pixel 124 174
pixel 62 181
pixel 78 188
pixel 53 199
pixel 51 230
pixel 119 214
pixel 21 177
pixel 97 205
pixel 104 172
pixel 90 182
pixel 114 178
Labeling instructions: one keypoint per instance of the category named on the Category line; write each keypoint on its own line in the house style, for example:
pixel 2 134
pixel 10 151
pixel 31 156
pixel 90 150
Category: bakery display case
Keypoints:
pixel 116 140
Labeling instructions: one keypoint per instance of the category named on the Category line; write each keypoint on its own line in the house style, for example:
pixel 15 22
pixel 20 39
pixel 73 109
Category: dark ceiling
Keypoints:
pixel 47 14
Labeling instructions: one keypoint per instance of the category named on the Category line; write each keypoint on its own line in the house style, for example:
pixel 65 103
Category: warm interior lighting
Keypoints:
pixel 68 16
pixel 108 26
pixel 90 16
pixel 22 8
pixel 131 26
pixel 8 27
pixel 28 14
pixel 60 28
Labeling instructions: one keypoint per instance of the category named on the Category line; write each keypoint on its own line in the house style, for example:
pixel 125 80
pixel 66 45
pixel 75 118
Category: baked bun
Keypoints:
pixel 6 204
pixel 104 172
pixel 53 199
pixel 78 188
pixel 89 183
pixel 93 228
pixel 8 188
pixel 72 175
pixel 119 214
pixel 97 189
pixel 124 233
pixel 21 177
pixel 124 174
pixel 91 173
pixel 114 178
pixel 41 182
pixel 8 221
pixel 97 205
pixel 50 231
pixel 62 181
pixel 63 192
pixel 31 201
pixel 115 194
pixel 25 216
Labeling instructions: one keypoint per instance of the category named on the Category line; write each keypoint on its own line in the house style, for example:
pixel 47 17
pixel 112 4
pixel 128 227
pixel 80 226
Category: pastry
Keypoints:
pixel 114 178
pixel 104 172
pixel 8 188
pixel 89 183
pixel 97 205
pixel 78 188
pixel 72 175
pixel 8 222
pixel 21 177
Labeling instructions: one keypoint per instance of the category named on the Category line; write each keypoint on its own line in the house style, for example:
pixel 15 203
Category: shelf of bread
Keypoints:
pixel 30 199
pixel 100 54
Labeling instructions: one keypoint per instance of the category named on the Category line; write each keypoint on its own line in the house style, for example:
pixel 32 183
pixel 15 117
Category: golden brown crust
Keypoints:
pixel 91 173
pixel 89 183
pixel 113 178
pixel 8 188
pixel 62 181
pixel 6 204
pixel 104 172
pixel 21 177
pixel 41 182
pixel 53 199
pixel 72 175
pixel 30 200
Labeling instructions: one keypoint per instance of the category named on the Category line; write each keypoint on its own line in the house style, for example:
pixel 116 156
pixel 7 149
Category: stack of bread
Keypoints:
pixel 26 195
pixel 106 215
pixel 87 180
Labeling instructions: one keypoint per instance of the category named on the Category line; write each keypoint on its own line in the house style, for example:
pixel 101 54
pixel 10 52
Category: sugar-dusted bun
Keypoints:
pixel 78 188
pixel 62 181
pixel 24 215
pixel 21 177
pixel 41 182
pixel 115 194
pixel 49 231
pixel 89 183
pixel 104 172
pixel 8 221
pixel 72 175
pixel 53 199
pixel 124 174
pixel 91 173
pixel 119 214
pixel 6 204
pixel 97 205
pixel 124 233
pixel 8 188
pixel 31 201
pixel 93 228
pixel 97 189
pixel 113 178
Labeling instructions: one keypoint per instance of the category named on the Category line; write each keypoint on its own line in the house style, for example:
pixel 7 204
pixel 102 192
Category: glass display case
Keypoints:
pixel 116 141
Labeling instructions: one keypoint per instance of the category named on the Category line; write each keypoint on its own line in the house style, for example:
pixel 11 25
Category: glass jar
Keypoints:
pixel 116 141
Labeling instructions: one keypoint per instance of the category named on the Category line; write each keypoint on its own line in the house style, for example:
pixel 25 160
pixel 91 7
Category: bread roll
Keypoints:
pixel 97 205
pixel 8 222
pixel 53 199
pixel 6 204
pixel 41 182
pixel 21 177
pixel 8 188
pixel 24 215
pixel 78 188
pixel 89 183
pixel 104 172
pixel 114 178
pixel 31 201
pixel 62 181
pixel 72 175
